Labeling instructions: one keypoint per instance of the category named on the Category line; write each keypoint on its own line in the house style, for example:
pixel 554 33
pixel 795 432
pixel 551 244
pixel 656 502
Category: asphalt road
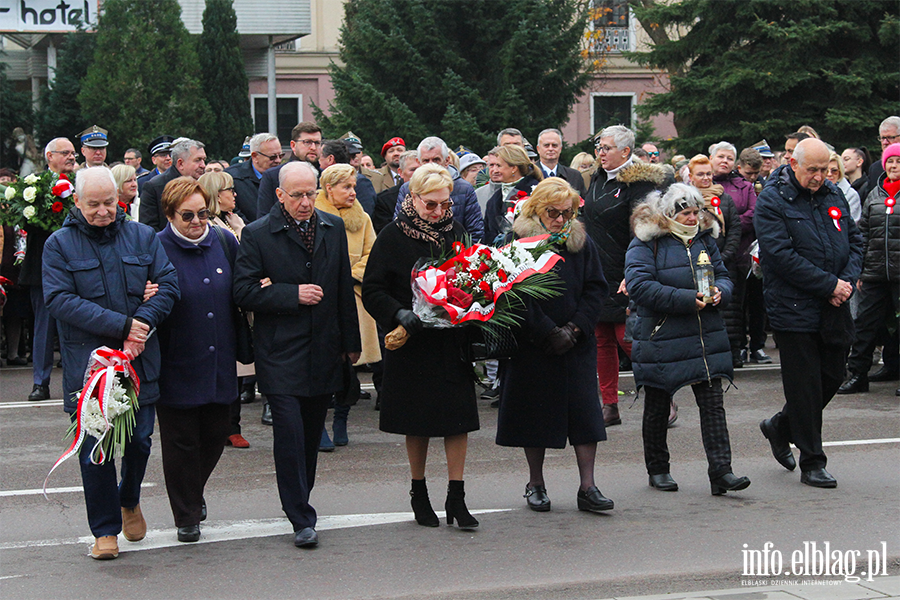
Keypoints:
pixel 652 542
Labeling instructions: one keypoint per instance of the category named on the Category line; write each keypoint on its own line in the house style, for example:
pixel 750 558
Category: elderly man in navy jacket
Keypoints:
pixel 96 268
pixel 810 253
pixel 305 329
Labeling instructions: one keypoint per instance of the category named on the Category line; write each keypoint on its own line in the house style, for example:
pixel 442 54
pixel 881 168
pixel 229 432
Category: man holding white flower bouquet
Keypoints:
pixel 96 270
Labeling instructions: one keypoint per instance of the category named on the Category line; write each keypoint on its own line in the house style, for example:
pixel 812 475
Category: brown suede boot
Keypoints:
pixel 105 548
pixel 134 527
pixel 611 414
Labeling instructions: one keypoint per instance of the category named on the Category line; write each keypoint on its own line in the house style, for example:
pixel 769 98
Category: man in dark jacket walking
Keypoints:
pixel 95 271
pixel 619 184
pixel 265 153
pixel 305 329
pixel 810 253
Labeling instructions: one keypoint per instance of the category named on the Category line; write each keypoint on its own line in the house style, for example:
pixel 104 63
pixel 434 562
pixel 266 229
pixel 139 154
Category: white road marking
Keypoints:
pixel 862 442
pixel 31 403
pixel 222 531
pixel 59 490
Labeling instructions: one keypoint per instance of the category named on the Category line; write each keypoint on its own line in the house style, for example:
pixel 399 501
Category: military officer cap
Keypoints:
pixel 94 137
pixel 160 144
pixel 245 148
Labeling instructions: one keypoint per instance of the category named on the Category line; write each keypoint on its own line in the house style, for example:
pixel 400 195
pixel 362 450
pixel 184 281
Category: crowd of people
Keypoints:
pixel 676 269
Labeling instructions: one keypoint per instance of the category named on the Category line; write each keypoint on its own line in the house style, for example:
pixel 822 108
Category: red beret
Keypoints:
pixel 391 143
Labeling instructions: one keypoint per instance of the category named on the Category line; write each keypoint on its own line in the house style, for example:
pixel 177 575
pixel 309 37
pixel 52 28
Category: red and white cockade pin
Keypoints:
pixel 716 203
pixel 889 203
pixel 835 213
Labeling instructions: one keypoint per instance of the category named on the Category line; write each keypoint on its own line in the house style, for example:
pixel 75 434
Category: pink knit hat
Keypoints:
pixel 892 150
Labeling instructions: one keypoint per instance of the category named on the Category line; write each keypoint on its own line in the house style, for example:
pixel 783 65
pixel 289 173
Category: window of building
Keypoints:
pixel 289 113
pixel 612 21
pixel 611 109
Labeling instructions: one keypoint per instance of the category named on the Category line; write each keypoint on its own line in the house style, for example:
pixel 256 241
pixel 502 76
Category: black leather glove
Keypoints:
pixel 411 323
pixel 559 341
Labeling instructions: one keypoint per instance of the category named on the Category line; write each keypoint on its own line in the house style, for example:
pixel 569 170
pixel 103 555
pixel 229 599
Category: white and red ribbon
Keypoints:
pixel 889 204
pixel 100 376
pixel 716 204
pixel 63 187
pixel 835 213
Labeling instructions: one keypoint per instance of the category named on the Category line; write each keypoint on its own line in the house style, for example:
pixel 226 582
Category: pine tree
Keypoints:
pixel 59 114
pixel 144 80
pixel 224 80
pixel 15 111
pixel 752 69
pixel 461 70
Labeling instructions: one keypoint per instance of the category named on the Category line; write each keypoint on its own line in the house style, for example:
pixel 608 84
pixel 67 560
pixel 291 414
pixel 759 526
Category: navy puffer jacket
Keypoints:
pixel 675 344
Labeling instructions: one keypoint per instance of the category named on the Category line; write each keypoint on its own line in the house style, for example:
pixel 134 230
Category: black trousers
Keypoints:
pixel 811 373
pixel 755 312
pixel 297 429
pixel 713 428
pixel 878 301
pixel 192 441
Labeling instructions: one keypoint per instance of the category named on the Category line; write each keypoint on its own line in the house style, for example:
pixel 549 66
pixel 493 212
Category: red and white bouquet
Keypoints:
pixel 481 285
pixel 106 407
pixel 42 200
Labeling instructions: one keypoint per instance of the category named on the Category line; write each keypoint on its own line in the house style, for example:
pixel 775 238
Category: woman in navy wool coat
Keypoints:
pixel 679 340
pixel 198 379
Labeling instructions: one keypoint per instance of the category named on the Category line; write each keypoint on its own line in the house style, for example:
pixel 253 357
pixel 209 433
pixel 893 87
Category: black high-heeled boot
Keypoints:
pixel 456 506
pixel 421 505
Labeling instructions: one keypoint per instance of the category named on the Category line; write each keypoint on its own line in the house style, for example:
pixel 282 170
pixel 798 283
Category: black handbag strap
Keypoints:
pixel 225 247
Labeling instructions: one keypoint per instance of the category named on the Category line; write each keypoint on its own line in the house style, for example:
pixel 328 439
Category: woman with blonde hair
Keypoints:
pixel 835 174
pixel 337 196
pixel 127 189
pixel 582 162
pixel 548 390
pixel 428 389
pixel 518 177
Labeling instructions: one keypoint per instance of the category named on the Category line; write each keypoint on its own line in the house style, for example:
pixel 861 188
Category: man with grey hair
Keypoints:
pixel 614 190
pixel 305 329
pixel 549 146
pixel 265 153
pixel 188 160
pixel 96 295
pixel 510 135
pixel 888 133
pixel 465 204
pixel 811 254
pixel 60 156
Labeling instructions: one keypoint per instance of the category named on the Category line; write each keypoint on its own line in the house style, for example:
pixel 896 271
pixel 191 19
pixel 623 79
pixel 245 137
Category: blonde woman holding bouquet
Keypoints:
pixel 428 389
pixel 539 412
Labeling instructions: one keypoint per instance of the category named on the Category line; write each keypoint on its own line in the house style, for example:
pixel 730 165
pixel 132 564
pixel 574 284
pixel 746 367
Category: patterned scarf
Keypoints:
pixel 417 228
pixel 560 238
pixel 309 235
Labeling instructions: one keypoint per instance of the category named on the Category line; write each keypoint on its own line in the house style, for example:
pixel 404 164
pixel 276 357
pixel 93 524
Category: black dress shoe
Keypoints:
pixel 306 538
pixel 781 449
pixel 728 483
pixel 885 374
pixel 818 478
pixel 537 498
pixel 190 533
pixel 267 414
pixel 857 384
pixel 760 358
pixel 593 501
pixel 663 482
pixel 203 513
pixel 19 361
pixel 40 392
pixel 248 393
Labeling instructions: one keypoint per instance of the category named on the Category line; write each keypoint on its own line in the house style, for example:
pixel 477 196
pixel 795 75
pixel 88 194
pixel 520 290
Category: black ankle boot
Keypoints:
pixel 456 506
pixel 421 505
pixel 728 483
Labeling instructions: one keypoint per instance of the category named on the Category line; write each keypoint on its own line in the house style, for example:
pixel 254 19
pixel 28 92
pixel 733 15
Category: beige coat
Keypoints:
pixel 360 237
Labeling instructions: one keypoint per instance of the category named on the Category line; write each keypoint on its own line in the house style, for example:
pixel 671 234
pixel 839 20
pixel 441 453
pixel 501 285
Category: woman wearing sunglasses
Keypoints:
pixel 680 337
pixel 428 389
pixel 539 412
pixel 198 378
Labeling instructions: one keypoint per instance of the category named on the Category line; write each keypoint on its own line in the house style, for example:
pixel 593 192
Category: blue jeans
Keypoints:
pixel 103 497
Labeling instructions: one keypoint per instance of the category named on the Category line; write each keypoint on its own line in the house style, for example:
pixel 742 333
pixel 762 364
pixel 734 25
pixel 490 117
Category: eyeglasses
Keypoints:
pixel 656 153
pixel 604 149
pixel 309 143
pixel 300 195
pixel 228 189
pixel 429 205
pixel 188 216
pixel 63 152
pixel 277 156
pixel 887 138
pixel 555 214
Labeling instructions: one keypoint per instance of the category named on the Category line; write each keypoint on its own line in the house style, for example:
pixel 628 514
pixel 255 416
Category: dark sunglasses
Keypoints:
pixel 555 214
pixel 188 216
pixel 429 206
pixel 656 153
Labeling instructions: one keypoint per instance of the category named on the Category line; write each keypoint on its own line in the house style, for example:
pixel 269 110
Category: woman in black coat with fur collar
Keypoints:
pixel 548 390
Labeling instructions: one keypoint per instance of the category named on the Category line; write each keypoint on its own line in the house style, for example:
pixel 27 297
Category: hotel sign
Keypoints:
pixel 47 16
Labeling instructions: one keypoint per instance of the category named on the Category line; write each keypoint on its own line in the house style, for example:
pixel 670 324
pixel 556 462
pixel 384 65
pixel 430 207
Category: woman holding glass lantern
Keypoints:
pixel 675 276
